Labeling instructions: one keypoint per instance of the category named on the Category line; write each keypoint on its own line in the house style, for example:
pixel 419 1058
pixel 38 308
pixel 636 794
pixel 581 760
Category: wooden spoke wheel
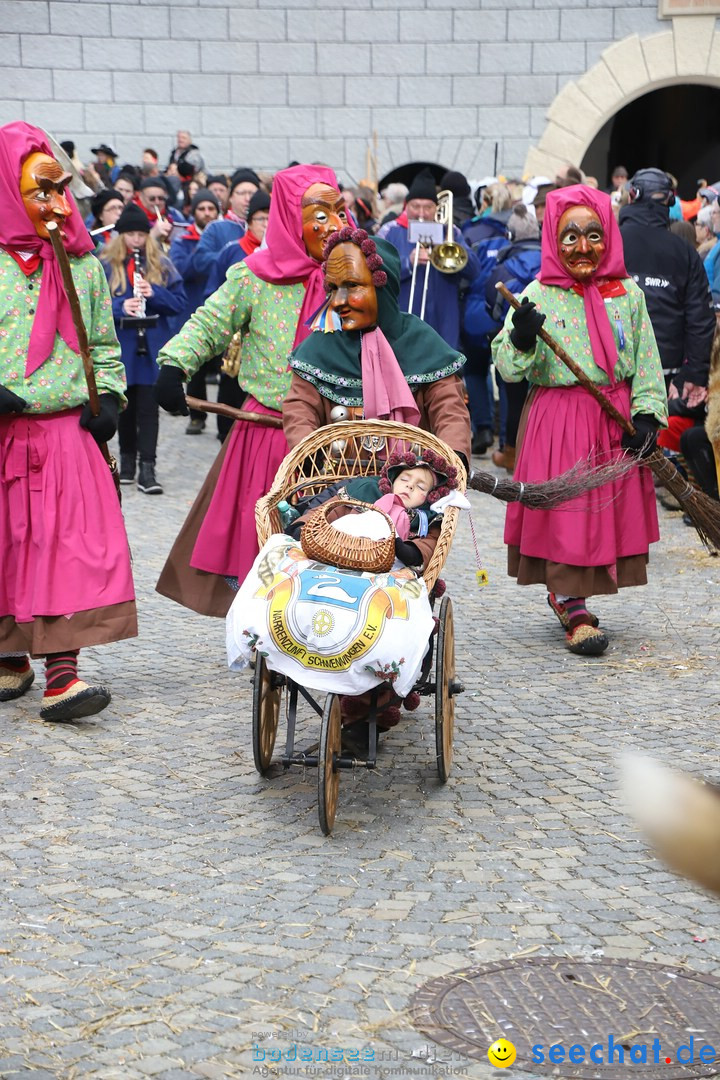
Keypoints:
pixel 445 689
pixel 328 772
pixel 265 715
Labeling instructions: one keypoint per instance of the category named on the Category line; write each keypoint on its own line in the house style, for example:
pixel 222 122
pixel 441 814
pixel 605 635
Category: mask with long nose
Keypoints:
pixel 42 187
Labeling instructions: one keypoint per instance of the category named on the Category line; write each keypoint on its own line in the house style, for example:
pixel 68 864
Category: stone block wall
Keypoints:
pixel 260 82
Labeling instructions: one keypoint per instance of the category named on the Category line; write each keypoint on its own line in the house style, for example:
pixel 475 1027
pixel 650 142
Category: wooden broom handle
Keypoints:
pixel 577 371
pixel 71 292
pixel 235 414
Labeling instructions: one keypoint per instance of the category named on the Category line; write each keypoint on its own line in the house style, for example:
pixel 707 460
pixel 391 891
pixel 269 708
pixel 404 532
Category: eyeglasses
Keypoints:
pixel 155 198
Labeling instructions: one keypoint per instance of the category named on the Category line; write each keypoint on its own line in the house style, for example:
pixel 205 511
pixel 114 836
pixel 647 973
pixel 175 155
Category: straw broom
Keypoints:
pixel 703 511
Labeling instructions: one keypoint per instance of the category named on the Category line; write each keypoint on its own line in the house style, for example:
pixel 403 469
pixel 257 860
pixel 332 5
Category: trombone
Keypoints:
pixel 448 257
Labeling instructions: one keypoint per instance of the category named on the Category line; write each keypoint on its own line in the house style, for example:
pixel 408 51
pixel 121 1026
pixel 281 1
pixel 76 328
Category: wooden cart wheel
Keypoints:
pixel 328 773
pixel 444 682
pixel 265 715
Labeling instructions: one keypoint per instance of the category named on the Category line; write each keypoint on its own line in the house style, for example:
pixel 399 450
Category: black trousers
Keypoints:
pixel 698 452
pixel 138 424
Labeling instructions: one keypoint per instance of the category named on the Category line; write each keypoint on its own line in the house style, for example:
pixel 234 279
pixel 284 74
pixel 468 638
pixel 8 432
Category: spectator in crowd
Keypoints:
pixel 712 260
pixel 185 151
pixel 233 225
pixel 220 187
pixel 494 203
pixel 126 184
pixel 686 231
pixel 618 179
pixel 106 207
pixel 366 210
pixel 152 199
pixel 204 209
pixel 393 202
pixel 104 164
pixel 463 208
pixel 671 276
pixel 704 236
pixel 151 281
pixel 150 160
pixel 349 194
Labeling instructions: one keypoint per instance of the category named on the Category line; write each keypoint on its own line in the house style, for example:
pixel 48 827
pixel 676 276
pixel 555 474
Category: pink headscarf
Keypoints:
pixel 17 142
pixel 285 261
pixel 612 265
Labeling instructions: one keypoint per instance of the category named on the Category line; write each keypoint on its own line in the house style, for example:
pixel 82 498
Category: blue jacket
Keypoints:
pixel 213 240
pixel 442 309
pixel 166 301
pixel 182 256
pixel 229 255
pixel 712 269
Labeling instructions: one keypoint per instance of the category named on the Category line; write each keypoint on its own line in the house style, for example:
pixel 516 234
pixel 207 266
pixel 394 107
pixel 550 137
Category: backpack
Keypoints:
pixel 517 265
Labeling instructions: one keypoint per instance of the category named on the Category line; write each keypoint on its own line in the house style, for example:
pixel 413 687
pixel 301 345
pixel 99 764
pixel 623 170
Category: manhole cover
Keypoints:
pixel 667 1016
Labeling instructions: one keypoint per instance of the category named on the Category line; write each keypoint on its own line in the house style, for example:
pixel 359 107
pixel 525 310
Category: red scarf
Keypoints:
pixel 28 266
pixel 192 233
pixel 249 243
pixel 401 219
pixel 150 214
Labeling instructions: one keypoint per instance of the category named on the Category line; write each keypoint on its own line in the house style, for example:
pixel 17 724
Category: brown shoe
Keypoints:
pixel 505 458
pixel 586 640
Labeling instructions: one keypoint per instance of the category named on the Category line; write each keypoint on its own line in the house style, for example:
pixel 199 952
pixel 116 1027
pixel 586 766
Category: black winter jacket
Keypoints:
pixel 676 289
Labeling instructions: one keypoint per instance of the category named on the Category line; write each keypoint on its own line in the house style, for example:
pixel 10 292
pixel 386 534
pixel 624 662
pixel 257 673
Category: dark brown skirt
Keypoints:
pixel 576 580
pixel 56 633
pixel 208 594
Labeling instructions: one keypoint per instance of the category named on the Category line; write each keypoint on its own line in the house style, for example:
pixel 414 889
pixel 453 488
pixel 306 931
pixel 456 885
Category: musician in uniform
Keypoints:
pixel 66 582
pixel 143 282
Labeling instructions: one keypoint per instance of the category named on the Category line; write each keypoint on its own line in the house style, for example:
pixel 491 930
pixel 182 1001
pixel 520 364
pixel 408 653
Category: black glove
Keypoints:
pixel 408 553
pixel 10 402
pixel 645 432
pixel 169 392
pixel 103 426
pixel 527 320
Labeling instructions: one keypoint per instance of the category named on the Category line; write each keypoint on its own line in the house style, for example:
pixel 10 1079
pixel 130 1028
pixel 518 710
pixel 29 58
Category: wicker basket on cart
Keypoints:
pixel 321 541
pixel 346 450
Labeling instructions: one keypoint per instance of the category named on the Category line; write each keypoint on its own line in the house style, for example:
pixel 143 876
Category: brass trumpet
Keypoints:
pixel 448 257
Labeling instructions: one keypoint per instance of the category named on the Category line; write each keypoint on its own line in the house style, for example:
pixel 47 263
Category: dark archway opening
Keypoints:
pixel 405 174
pixel 674 129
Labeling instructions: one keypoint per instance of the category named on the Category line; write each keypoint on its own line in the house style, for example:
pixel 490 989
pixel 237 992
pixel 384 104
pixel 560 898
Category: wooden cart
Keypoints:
pixel 333 453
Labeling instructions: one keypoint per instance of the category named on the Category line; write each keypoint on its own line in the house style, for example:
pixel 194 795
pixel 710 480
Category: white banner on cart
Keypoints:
pixel 343 631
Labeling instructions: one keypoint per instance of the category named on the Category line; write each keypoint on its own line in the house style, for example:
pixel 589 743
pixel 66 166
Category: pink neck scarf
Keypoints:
pixel 284 260
pixel 395 510
pixel 612 265
pixel 386 394
pixel 53 316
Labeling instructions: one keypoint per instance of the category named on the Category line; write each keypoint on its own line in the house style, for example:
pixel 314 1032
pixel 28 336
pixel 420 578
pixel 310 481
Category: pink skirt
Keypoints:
pixel 62 534
pixel 227 541
pixel 564 426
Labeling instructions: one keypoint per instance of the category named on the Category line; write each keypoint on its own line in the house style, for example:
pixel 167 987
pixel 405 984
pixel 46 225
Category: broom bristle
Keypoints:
pixel 546 495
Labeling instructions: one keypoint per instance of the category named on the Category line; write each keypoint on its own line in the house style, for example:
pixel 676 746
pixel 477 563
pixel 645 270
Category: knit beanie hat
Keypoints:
pixel 132 219
pixel 457 183
pixel 220 178
pixel 244 176
pixel 203 194
pixel 100 201
pixel 259 201
pixel 445 474
pixel 522 225
pixel 423 187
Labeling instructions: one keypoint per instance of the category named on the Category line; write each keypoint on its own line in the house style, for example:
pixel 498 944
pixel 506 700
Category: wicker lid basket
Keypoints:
pixel 320 541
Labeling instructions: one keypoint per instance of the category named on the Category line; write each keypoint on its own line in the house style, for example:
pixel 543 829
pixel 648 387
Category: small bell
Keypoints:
pixel 338 414
pixel 337 447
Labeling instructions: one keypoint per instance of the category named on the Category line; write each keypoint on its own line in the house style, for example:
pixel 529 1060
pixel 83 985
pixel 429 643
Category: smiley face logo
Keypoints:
pixel 501 1054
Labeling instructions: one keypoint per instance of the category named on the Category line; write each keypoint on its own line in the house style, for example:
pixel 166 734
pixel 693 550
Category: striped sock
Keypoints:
pixel 60 672
pixel 16 663
pixel 577 612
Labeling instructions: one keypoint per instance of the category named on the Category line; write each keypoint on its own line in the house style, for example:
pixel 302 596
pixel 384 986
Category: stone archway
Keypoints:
pixel 689 53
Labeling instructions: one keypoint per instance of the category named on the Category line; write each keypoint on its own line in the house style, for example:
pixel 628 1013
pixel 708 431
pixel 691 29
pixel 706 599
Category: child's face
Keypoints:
pixel 413 486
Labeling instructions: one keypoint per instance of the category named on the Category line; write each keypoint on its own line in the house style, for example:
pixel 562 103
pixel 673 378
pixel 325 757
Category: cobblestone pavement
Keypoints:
pixel 163 908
